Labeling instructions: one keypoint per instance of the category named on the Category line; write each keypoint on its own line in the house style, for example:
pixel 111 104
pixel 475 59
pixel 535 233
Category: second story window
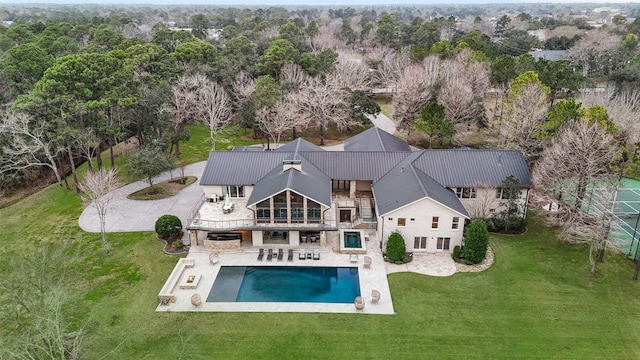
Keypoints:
pixel 434 222
pixel 235 191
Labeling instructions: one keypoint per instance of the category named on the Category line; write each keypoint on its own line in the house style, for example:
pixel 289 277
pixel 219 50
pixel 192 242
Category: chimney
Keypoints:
pixel 292 164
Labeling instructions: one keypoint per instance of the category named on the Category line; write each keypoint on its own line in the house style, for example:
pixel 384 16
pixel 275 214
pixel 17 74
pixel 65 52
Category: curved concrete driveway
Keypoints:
pixel 135 215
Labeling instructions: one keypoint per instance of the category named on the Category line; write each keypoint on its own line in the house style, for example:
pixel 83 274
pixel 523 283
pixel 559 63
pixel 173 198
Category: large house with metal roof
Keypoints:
pixel 301 194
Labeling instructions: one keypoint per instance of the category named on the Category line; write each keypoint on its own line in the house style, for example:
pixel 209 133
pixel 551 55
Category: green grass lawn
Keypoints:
pixel 538 300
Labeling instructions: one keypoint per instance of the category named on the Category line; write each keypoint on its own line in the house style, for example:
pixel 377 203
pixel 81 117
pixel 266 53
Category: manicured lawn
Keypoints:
pixel 537 301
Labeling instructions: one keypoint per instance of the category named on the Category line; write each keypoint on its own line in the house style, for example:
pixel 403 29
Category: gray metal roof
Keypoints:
pixel 375 139
pixel 298 145
pixel 472 168
pixel 405 184
pixel 239 167
pixel 355 165
pixel 310 182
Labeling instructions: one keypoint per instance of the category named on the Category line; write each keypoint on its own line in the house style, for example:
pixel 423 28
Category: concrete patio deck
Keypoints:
pixel 373 278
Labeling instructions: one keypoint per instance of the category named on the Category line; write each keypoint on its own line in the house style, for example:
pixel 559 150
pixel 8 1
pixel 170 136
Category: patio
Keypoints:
pixel 374 277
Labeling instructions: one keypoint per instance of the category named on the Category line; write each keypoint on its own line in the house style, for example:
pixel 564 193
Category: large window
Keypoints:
pixel 235 191
pixel 443 243
pixel 420 242
pixel 434 222
pixel 455 224
pixel 466 193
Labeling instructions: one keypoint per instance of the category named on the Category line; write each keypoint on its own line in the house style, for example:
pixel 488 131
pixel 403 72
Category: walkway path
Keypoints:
pixel 137 215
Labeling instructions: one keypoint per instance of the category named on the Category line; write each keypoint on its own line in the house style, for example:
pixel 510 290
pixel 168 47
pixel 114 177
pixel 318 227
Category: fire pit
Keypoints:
pixel 190 282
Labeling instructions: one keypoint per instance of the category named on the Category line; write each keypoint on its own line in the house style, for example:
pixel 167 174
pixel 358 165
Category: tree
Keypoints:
pixel 396 247
pixel 200 25
pixel 279 53
pixel 183 108
pixel 412 93
pixel 214 106
pixel 323 103
pixel 22 66
pixel 527 105
pixel 476 241
pixel 512 217
pixel 558 76
pixel 149 162
pixel 28 144
pixel 97 190
pixel 559 113
pixel 581 152
pixel 277 119
pixel 433 122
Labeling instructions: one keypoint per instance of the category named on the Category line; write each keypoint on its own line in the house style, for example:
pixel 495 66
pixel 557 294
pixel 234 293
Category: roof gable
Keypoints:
pixel 299 145
pixel 375 139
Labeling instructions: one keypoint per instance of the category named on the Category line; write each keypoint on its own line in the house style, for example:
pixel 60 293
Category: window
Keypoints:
pixel 420 242
pixel 502 194
pixel 434 222
pixel 235 191
pixel 402 221
pixel 443 243
pixel 455 223
pixel 412 220
pixel 340 185
pixel 466 193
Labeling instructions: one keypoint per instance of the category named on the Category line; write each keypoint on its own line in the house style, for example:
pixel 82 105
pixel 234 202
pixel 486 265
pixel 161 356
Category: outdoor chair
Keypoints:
pixel 196 300
pixel 302 254
pixel 260 254
pixel 316 254
pixel 353 258
pixel 367 262
pixel 375 296
pixel 290 256
pixel 280 254
pixel 358 302
pixel 270 255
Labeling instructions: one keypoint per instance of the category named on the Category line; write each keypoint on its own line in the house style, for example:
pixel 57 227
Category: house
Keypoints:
pixel 301 193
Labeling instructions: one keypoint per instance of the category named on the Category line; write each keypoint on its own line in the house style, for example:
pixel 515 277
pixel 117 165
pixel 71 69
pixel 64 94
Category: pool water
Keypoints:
pixel 352 240
pixel 285 284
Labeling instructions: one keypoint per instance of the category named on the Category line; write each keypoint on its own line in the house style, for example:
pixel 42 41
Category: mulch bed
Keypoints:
pixel 168 249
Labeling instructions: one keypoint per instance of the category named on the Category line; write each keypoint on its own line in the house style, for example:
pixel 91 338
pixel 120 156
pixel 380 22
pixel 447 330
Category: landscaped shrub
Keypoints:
pixel 177 244
pixel 396 247
pixel 456 252
pixel 168 225
pixel 476 242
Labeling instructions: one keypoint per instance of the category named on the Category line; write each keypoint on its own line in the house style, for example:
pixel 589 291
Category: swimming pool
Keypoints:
pixel 285 284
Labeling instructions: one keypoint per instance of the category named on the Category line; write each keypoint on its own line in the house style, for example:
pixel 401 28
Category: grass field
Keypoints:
pixel 538 300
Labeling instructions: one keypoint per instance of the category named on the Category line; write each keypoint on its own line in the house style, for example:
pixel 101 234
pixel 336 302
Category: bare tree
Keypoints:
pixel 526 112
pixel 292 77
pixel 484 202
pixel 214 105
pixel 350 72
pixel 457 96
pixel 277 119
pixel 242 87
pixel 412 93
pixel 593 50
pixel 29 144
pixel 579 154
pixel 392 67
pixel 183 106
pixel 97 188
pixel 322 103
pixel 623 108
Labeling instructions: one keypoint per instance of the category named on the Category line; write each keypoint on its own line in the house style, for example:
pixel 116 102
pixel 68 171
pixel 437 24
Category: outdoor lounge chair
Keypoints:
pixel 375 296
pixel 316 254
pixel 280 254
pixel 260 254
pixel 359 303
pixel 302 254
pixel 270 255
pixel 367 262
pixel 290 256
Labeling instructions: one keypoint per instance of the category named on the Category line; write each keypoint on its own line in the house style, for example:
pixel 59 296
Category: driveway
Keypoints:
pixel 126 215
